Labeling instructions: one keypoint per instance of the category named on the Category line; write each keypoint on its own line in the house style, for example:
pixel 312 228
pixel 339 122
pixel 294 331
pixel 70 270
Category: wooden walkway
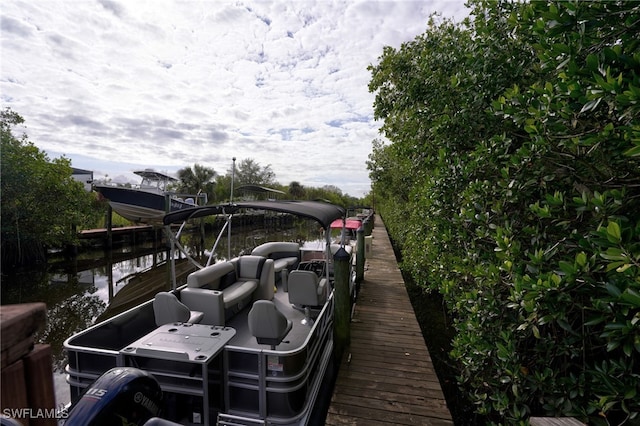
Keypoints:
pixel 386 376
pixel 120 230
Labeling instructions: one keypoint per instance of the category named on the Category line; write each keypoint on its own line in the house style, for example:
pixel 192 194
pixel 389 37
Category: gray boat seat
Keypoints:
pixel 267 324
pixel 306 289
pixel 167 309
pixel 285 255
pixel 223 289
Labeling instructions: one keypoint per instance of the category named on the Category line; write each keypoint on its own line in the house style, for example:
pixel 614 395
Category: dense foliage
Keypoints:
pixel 512 184
pixel 201 179
pixel 41 203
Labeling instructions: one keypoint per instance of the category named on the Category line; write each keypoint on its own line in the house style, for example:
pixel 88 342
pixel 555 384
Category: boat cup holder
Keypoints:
pixel 172 330
pixel 215 334
pixel 129 349
pixel 200 357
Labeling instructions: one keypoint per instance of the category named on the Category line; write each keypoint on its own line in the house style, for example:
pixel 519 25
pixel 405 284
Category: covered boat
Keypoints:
pixel 246 341
pixel 147 202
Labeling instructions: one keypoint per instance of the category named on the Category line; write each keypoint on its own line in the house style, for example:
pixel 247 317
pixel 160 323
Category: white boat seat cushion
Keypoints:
pixel 306 288
pixel 267 324
pixel 167 309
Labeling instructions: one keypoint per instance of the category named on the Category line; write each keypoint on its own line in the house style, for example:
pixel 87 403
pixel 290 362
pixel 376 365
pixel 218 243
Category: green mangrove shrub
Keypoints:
pixel 512 183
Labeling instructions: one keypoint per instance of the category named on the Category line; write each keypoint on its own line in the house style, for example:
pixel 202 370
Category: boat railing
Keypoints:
pixel 97 349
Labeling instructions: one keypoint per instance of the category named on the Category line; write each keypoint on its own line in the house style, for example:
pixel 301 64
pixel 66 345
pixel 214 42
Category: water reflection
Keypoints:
pixel 82 291
pixel 76 292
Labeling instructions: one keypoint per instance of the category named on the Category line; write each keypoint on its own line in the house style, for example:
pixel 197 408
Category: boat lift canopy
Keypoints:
pixel 323 213
pixel 152 175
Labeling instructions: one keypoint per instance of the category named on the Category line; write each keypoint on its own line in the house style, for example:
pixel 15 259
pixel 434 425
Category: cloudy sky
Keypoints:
pixel 118 86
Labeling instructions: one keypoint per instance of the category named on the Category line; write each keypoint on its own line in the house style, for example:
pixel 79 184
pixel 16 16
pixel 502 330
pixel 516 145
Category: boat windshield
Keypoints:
pixel 153 179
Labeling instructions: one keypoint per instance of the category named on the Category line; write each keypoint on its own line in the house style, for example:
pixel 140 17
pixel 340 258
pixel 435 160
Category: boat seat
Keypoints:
pixel 224 289
pixel 167 309
pixel 267 324
pixel 307 290
pixel 285 255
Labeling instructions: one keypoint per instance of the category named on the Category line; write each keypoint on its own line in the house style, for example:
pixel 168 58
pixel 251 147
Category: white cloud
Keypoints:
pixel 123 85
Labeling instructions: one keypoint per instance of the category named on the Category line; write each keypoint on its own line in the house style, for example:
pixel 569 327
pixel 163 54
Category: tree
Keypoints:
pixel 296 190
pixel 249 172
pixel 41 202
pixel 222 188
pixel 195 180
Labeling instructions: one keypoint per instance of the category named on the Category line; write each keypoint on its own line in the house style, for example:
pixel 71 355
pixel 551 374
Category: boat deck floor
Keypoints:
pixel 293 340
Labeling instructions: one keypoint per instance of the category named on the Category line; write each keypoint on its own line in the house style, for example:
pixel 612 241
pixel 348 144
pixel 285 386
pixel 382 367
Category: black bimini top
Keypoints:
pixel 321 212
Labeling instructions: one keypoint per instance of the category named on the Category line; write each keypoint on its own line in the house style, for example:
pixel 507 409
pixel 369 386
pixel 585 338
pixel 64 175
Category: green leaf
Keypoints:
pixel 613 290
pixel 562 48
pixel 614 253
pixel 595 321
pixel 536 332
pixel 566 326
pixel 624 267
pixel 633 152
pixel 567 267
pixel 615 265
pixel 613 232
pixel 631 296
pixel 612 345
pixel 593 63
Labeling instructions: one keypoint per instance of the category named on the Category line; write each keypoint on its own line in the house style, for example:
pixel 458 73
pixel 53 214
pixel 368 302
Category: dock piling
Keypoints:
pixel 342 317
pixel 360 256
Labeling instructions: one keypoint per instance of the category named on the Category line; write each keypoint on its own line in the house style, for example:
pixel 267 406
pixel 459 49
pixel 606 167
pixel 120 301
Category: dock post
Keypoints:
pixel 342 308
pixel 360 256
pixel 109 226
pixel 367 225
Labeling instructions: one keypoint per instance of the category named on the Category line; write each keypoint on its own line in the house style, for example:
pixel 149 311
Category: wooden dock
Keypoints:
pixel 386 376
pixel 102 233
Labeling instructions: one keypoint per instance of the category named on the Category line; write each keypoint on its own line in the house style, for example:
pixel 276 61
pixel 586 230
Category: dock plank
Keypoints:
pixel 386 376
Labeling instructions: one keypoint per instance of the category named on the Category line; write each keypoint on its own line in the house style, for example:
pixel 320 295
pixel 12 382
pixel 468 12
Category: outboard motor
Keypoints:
pixel 121 396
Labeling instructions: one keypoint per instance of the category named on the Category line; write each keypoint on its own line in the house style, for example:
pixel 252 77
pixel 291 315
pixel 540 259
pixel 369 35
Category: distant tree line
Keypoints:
pixel 198 178
pixel 43 207
pixel 510 179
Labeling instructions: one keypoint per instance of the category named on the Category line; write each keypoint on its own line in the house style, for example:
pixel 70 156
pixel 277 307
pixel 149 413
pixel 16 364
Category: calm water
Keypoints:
pixel 77 292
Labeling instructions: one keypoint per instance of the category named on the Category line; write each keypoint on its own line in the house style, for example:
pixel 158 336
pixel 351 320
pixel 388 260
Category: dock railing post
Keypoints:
pixel 368 226
pixel 342 300
pixel 109 226
pixel 360 256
